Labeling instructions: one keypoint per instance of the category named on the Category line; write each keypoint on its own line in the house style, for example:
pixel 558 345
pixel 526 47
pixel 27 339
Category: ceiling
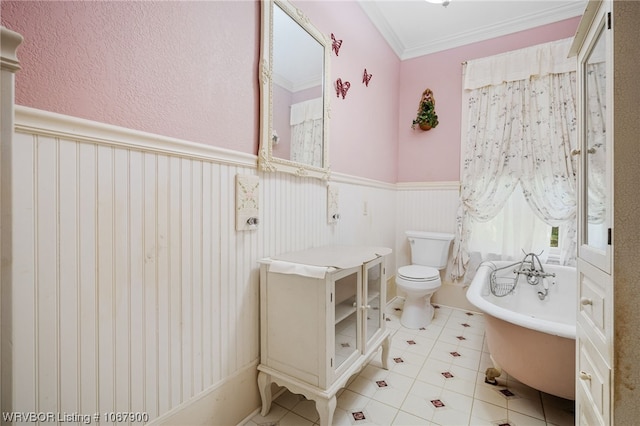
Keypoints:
pixel 415 27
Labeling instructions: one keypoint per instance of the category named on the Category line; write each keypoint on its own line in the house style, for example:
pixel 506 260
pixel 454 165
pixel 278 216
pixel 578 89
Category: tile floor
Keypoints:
pixel 435 377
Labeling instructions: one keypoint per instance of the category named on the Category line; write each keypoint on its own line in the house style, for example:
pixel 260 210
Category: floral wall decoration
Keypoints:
pixel 335 44
pixel 366 78
pixel 426 117
pixel 342 88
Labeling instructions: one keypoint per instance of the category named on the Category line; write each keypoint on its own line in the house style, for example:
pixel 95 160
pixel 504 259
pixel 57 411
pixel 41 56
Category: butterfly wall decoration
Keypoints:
pixel 366 78
pixel 335 44
pixel 342 88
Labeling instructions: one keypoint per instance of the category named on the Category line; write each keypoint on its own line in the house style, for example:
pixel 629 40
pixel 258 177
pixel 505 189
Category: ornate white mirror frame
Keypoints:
pixel 301 84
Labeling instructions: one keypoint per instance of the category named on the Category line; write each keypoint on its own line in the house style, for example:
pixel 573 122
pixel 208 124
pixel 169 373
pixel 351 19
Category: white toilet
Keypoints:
pixel 418 281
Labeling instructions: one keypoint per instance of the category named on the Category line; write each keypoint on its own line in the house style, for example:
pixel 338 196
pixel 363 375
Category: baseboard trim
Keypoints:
pixel 275 395
pixel 225 403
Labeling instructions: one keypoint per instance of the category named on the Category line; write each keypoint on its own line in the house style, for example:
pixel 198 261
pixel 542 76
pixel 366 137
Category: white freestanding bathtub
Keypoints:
pixel 531 339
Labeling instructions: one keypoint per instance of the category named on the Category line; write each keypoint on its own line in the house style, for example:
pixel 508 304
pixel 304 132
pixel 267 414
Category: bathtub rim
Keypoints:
pixel 474 296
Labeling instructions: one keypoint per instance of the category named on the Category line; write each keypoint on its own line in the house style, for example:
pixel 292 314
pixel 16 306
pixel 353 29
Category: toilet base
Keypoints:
pixel 417 312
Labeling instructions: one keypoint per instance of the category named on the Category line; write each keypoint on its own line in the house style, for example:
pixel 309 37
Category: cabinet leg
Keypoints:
pixel 264 385
pixel 386 345
pixel 326 408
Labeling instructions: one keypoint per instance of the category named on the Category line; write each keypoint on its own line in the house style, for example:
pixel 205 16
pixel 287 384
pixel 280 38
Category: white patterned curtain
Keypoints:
pixel 306 132
pixel 521 128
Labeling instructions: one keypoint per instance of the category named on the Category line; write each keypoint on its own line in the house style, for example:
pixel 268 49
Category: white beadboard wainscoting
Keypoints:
pixel 429 207
pixel 424 207
pixel 131 290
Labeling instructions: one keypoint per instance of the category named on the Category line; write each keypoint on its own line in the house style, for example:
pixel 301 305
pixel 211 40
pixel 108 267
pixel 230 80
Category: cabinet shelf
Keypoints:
pixel 345 309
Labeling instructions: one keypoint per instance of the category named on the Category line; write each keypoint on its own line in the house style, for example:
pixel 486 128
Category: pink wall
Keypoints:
pixel 435 155
pixel 180 69
pixel 189 70
pixel 363 132
pixel 282 99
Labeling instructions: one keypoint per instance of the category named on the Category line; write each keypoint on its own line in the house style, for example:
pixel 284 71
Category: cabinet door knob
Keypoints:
pixel 585 376
pixel 366 306
pixel 586 301
pixel 575 152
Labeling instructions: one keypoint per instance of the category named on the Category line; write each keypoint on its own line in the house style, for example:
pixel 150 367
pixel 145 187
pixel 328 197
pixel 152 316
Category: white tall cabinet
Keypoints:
pixel 608 324
pixel 321 319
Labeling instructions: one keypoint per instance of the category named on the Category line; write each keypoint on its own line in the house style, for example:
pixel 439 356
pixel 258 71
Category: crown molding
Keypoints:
pixel 377 18
pixel 560 13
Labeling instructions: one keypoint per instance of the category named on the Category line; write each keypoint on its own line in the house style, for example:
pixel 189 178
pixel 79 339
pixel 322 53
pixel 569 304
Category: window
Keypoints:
pixel 519 118
pixel 513 230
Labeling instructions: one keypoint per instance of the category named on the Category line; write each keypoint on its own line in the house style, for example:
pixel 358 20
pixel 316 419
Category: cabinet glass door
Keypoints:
pixel 374 305
pixel 346 302
pixel 595 211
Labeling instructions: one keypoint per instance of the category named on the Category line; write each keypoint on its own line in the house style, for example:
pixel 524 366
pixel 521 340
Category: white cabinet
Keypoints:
pixel 607 348
pixel 321 319
pixel 595 291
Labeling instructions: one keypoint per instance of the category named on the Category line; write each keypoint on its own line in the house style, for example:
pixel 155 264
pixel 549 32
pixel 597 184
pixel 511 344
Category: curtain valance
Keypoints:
pixel 306 110
pixel 521 64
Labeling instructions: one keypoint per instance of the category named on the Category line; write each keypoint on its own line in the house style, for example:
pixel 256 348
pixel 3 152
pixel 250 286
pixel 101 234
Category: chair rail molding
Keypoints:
pixel 45 123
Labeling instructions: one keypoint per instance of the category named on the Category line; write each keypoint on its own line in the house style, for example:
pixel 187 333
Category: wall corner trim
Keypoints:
pixel 10 40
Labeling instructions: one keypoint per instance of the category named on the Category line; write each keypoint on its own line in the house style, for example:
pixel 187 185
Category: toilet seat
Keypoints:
pixel 418 273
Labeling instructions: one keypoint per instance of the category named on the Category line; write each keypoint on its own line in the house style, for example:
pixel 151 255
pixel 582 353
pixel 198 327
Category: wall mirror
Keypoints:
pixel 294 101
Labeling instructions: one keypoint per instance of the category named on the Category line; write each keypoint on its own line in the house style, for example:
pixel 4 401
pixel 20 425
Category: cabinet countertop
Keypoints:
pixel 336 256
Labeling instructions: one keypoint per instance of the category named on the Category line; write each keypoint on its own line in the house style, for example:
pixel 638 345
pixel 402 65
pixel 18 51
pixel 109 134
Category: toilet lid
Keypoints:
pixel 418 273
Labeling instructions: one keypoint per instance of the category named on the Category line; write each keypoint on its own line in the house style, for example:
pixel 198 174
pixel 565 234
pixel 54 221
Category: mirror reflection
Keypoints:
pixel 294 100
pixel 595 163
pixel 296 92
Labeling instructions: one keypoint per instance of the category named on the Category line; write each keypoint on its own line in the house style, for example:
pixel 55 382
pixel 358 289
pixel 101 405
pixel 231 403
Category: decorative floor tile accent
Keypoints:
pixel 469 313
pixel 422 328
pixel 437 403
pixel 507 393
pixel 360 410
pixel 358 415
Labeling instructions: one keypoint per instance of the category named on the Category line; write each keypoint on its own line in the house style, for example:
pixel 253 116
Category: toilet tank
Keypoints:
pixel 429 248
